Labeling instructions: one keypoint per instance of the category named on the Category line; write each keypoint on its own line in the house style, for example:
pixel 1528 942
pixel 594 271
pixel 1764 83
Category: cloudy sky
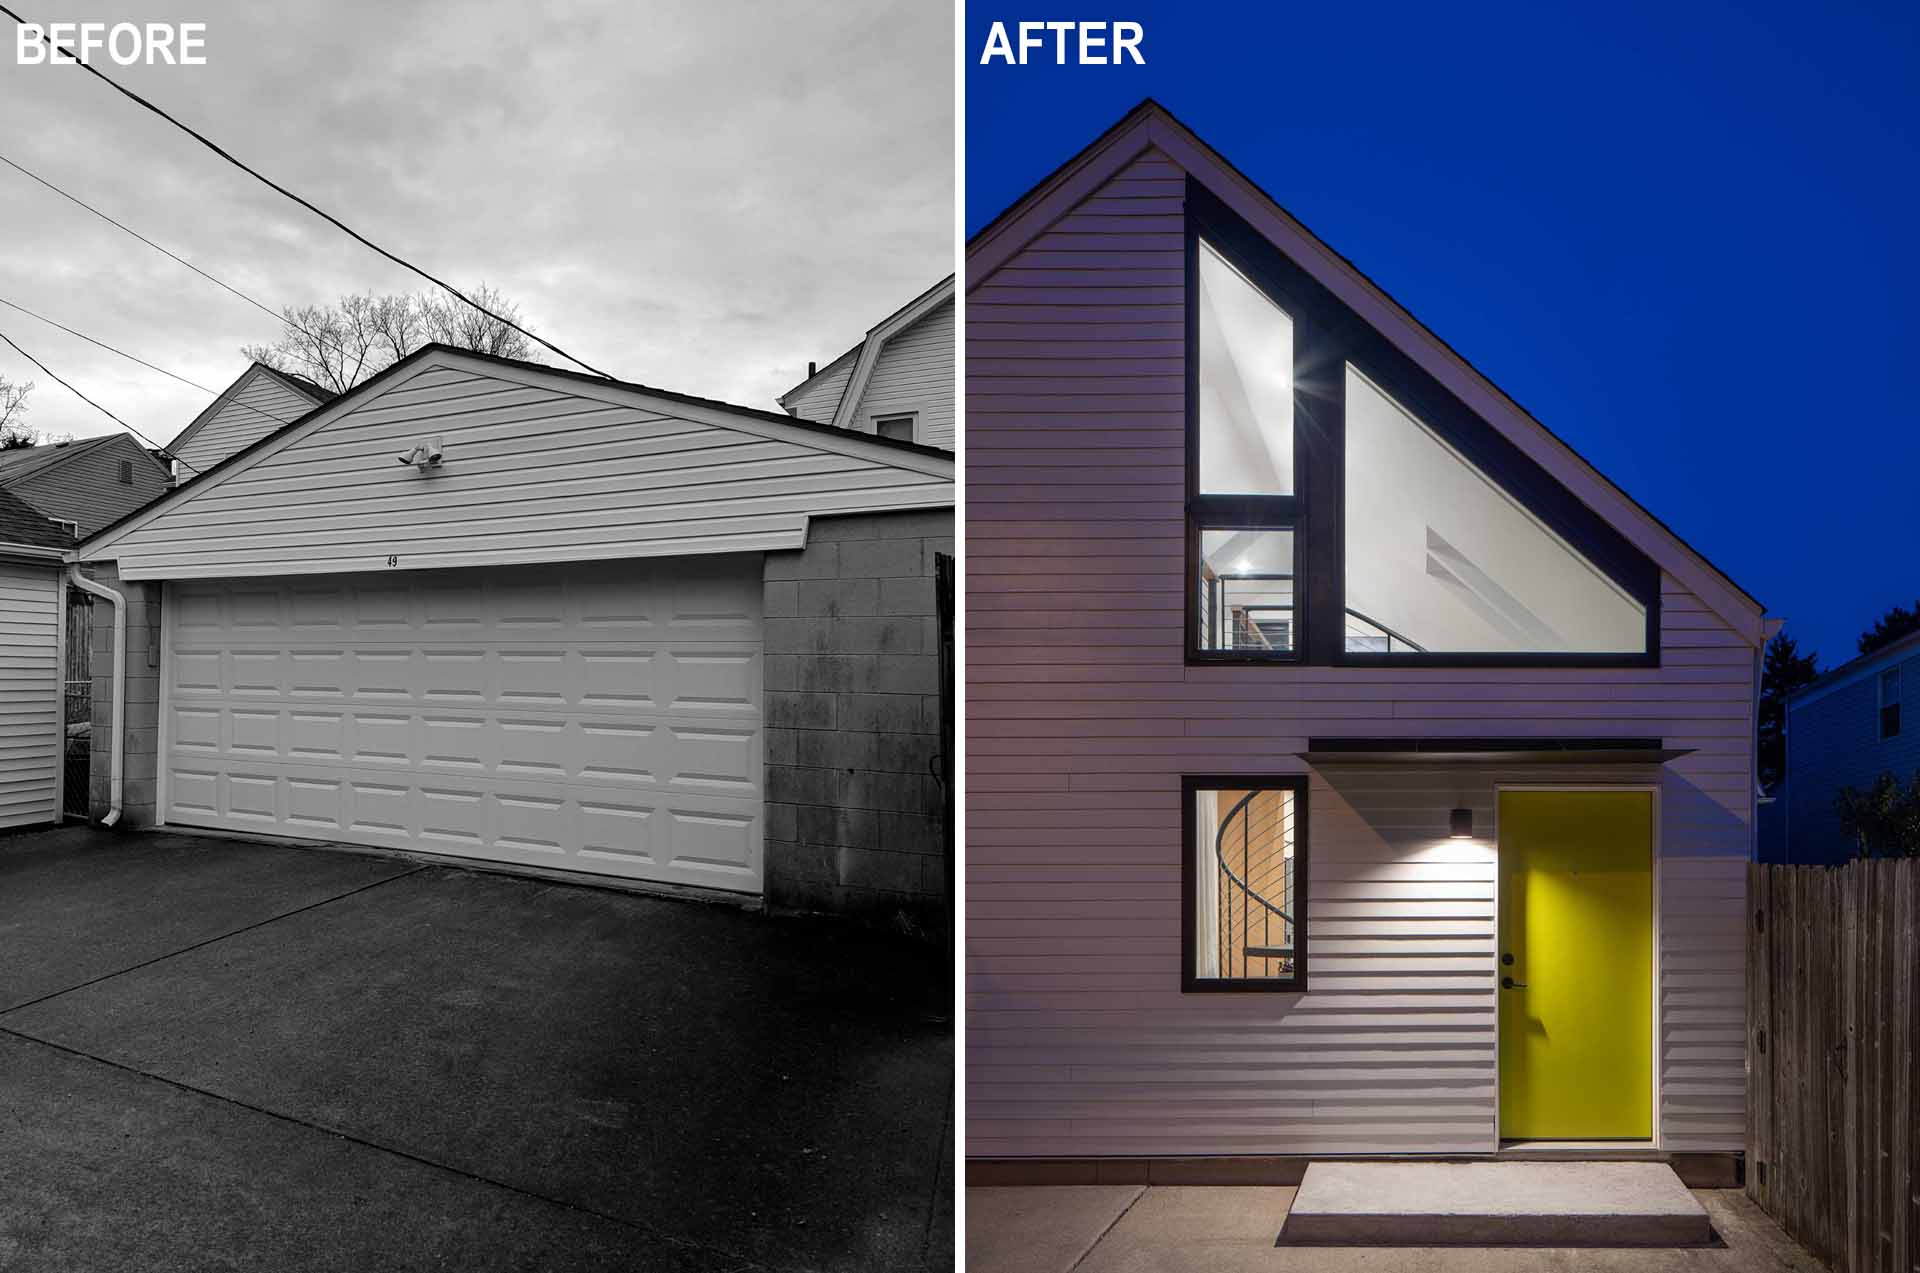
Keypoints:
pixel 700 195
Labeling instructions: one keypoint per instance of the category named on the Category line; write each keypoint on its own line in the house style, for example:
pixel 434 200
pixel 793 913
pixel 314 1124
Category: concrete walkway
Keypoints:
pixel 1229 1229
pixel 223 1054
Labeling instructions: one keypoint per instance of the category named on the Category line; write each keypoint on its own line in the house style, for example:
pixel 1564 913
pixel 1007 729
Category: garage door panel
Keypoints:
pixel 531 738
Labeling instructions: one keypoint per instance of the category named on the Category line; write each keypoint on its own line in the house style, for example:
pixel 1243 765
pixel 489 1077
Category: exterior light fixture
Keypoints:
pixel 1460 824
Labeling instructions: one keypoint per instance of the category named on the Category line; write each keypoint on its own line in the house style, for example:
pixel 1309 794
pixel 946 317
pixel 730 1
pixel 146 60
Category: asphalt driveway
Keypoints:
pixel 218 1054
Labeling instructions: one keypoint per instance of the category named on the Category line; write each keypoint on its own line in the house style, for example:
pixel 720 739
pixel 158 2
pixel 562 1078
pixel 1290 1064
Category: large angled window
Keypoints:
pixel 1246 385
pixel 1243 502
pixel 1440 560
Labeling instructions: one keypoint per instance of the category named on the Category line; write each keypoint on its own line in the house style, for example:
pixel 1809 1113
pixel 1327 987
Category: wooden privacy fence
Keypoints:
pixel 1833 1059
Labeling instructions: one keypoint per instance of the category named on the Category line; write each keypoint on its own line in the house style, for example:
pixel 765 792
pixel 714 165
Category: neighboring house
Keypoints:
pixel 88 483
pixel 897 383
pixel 512 614
pixel 1352 768
pixel 31 711
pixel 261 401
pixel 1854 723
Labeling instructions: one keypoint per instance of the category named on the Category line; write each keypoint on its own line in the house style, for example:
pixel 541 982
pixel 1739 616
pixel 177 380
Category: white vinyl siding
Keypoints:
pixel 1082 716
pixel 819 397
pixel 535 470
pixel 258 404
pixel 30 703
pixel 914 373
pixel 603 718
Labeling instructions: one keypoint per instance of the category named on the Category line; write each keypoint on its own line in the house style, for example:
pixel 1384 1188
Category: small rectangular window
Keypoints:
pixel 897 427
pixel 1890 703
pixel 126 472
pixel 1245 883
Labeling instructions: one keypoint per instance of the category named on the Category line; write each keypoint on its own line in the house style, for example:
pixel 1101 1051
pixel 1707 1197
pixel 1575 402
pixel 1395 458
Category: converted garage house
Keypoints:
pixel 500 612
pixel 1352 768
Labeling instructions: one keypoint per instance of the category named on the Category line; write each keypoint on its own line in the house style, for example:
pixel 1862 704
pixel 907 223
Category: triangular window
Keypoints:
pixel 1440 560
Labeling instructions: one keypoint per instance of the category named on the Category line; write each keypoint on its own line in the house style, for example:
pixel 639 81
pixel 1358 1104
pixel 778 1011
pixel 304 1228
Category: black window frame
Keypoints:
pixel 1889 714
pixel 1190 786
pixel 1327 336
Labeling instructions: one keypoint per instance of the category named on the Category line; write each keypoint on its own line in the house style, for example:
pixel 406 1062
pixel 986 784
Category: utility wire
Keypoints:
pixel 280 317
pixel 275 420
pixel 27 172
pixel 317 211
pixel 104 345
pixel 151 444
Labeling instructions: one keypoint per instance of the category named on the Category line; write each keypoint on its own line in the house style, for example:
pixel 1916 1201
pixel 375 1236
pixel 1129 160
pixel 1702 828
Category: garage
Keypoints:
pixel 483 609
pixel 601 717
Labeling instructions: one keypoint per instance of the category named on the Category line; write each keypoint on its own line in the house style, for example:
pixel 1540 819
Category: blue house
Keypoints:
pixel 1855 723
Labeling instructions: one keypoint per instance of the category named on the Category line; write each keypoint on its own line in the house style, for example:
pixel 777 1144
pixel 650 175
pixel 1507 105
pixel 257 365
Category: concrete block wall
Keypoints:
pixel 142 726
pixel 854 810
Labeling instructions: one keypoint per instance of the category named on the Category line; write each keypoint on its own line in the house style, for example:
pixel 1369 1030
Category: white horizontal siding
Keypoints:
pixel 29 694
pixel 819 397
pixel 257 405
pixel 914 372
pixel 1082 716
pixel 534 470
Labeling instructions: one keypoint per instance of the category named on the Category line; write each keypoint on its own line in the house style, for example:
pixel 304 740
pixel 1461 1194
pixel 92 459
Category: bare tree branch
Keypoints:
pixel 339 345
pixel 14 433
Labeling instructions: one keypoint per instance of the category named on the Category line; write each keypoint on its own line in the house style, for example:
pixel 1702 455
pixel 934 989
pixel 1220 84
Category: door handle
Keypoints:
pixel 1508 983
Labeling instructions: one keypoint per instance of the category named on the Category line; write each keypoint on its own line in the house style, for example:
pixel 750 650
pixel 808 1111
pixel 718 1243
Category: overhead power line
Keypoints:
pixel 280 317
pixel 50 373
pixel 324 215
pixel 27 172
pixel 104 345
pixel 276 421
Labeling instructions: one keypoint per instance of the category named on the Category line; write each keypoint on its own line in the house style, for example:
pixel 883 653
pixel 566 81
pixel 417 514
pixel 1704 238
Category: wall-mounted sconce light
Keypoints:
pixel 1460 824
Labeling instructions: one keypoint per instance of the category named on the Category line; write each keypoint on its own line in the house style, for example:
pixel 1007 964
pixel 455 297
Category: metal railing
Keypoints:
pixel 1254 906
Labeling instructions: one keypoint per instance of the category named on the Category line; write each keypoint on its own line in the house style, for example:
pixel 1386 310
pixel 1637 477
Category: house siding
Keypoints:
pixel 533 472
pixel 258 405
pixel 915 372
pixel 1083 716
pixel 1833 741
pixel 86 487
pixel 30 702
pixel 819 397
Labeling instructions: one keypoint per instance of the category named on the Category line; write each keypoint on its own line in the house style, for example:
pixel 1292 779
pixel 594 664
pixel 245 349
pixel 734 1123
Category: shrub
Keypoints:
pixel 1883 819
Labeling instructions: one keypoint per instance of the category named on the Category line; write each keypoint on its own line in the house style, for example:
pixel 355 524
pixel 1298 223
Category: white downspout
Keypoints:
pixel 119 736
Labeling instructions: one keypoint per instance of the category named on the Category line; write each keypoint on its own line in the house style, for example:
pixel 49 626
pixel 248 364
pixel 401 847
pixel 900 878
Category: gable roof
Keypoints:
pixel 21 523
pixel 20 463
pixel 1855 669
pixel 618 452
pixel 300 385
pixel 1150 126
pixel 867 353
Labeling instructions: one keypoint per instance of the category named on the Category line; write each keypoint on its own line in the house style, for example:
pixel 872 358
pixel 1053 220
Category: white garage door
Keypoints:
pixel 29 694
pixel 600 717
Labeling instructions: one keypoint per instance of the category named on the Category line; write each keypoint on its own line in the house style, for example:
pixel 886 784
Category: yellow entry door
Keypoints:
pixel 1576 965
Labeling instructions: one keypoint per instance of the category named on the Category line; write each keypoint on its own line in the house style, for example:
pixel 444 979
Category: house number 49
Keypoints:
pixel 393 560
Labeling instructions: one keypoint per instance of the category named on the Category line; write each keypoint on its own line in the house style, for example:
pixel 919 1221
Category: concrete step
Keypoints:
pixel 1562 1204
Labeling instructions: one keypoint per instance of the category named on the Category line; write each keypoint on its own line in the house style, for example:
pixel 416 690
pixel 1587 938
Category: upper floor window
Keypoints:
pixel 1245 880
pixel 1343 506
pixel 126 472
pixel 1890 703
pixel 1242 506
pixel 898 427
pixel 1441 560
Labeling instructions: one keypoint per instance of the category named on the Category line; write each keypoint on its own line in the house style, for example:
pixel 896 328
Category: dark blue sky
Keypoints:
pixel 1686 237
